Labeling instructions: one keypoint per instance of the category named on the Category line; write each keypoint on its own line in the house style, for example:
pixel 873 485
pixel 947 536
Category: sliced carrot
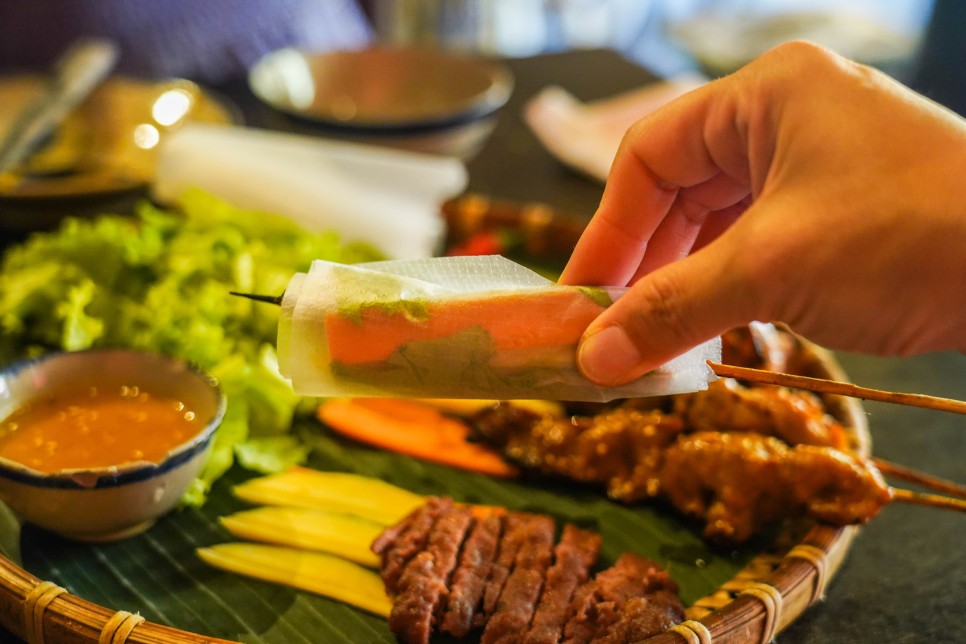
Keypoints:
pixel 514 321
pixel 412 429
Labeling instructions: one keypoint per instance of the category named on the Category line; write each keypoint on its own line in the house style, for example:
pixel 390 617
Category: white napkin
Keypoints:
pixel 585 136
pixel 389 198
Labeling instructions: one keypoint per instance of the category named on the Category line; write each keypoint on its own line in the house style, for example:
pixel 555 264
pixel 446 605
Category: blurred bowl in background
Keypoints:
pixel 724 40
pixel 427 100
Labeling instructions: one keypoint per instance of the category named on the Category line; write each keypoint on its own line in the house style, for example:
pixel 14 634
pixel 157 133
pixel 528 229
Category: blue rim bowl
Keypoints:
pixel 106 503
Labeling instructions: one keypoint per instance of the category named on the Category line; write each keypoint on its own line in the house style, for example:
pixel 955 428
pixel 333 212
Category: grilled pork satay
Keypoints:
pixel 411 616
pixel 619 448
pixel 797 417
pixel 859 494
pixel 751 479
pixel 739 482
pixel 425 579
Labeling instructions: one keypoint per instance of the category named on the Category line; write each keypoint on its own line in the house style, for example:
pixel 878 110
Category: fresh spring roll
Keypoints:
pixel 453 327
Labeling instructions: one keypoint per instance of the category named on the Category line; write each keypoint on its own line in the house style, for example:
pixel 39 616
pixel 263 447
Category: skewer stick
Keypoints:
pixel 925 480
pixel 930 500
pixel 840 388
pixel 268 299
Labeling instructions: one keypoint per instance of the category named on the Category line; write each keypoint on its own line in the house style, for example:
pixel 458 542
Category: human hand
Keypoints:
pixel 803 189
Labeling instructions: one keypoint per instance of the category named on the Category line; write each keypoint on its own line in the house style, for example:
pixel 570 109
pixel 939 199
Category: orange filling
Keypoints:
pixel 513 321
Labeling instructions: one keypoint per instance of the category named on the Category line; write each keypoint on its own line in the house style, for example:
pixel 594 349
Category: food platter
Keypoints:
pixel 86 593
pixel 156 575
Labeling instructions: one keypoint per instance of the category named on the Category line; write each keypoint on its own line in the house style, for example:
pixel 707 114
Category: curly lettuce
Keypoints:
pixel 159 280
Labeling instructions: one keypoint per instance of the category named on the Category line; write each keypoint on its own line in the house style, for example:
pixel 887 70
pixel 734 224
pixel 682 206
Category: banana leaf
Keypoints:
pixel 158 574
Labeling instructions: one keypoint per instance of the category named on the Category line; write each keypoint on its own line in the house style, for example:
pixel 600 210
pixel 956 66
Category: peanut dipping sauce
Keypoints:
pixel 96 429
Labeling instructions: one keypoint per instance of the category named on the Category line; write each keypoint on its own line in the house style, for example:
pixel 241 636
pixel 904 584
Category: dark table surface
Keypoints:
pixel 905 577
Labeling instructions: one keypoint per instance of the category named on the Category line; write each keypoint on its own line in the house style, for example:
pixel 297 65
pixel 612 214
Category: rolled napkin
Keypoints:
pixel 388 198
pixel 453 327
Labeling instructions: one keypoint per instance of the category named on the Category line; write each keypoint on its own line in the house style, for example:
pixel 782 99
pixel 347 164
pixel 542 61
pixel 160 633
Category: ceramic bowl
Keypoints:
pixel 428 100
pixel 106 503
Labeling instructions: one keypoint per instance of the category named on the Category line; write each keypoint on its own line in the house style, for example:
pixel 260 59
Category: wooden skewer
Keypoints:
pixel 268 299
pixel 925 480
pixel 847 389
pixel 834 387
pixel 930 500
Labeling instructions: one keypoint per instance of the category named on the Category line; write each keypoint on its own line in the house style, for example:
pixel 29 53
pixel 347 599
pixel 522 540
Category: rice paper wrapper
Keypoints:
pixel 453 327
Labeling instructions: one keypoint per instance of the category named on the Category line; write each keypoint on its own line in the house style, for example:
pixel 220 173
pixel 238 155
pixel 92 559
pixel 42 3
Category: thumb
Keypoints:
pixel 665 313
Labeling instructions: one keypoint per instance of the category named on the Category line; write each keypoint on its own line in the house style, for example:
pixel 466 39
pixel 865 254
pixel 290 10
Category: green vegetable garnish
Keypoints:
pixel 160 281
pixel 597 295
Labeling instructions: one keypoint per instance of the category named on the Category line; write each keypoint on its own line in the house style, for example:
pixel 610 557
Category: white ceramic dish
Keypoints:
pixel 109 503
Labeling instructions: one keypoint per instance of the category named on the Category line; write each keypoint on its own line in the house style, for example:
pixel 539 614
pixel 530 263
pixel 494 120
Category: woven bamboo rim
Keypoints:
pixel 770 593
pixel 37 611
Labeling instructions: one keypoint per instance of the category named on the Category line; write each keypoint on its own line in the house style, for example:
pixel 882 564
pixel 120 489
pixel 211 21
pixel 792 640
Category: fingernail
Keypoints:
pixel 608 356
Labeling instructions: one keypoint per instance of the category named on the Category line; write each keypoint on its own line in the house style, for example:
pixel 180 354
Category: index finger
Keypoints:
pixel 686 143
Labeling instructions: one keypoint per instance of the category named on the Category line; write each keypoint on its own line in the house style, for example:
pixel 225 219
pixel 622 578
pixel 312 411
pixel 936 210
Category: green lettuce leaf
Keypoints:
pixel 159 281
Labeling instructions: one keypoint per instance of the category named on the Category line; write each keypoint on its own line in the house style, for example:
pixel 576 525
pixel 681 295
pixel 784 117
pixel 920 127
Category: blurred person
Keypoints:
pixel 805 189
pixel 213 41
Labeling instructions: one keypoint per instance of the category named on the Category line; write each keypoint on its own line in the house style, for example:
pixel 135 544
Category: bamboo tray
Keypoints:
pixel 772 590
pixel 768 586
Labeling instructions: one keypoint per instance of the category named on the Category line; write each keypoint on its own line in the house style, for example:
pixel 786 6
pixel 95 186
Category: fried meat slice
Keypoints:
pixel 425 580
pixel 574 556
pixel 523 586
pixel 469 579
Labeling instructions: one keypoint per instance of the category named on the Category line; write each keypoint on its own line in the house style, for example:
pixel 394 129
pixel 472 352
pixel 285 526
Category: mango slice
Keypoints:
pixel 314 572
pixel 361 496
pixel 344 535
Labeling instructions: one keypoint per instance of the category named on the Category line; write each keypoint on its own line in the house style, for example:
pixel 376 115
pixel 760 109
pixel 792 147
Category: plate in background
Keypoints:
pixel 108 144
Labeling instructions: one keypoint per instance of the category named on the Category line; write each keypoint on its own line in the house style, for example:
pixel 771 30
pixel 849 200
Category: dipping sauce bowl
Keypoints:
pixel 99 406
